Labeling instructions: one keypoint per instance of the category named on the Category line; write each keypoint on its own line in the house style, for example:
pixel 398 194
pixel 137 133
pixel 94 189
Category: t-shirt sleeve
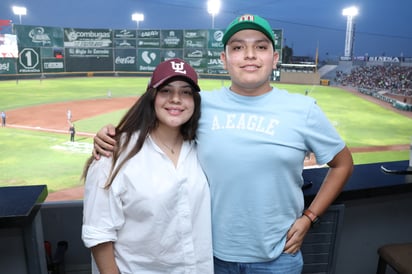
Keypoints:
pixel 322 137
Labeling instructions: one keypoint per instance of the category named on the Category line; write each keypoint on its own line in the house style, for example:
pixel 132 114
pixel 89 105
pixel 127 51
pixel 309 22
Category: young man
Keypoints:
pixel 252 141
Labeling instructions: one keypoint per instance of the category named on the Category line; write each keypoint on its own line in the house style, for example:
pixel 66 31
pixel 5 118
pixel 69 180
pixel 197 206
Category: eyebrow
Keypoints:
pixel 235 40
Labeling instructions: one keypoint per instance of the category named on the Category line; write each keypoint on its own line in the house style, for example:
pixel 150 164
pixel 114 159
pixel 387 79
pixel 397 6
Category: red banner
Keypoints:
pixel 4 23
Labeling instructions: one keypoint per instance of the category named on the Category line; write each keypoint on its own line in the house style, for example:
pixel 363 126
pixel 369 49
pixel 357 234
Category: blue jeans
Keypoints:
pixel 284 264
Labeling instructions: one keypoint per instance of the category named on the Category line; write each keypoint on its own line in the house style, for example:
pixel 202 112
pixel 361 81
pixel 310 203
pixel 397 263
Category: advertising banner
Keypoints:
pixel 148 43
pixel 148 34
pixel 88 52
pixel 124 34
pixel 87 38
pixel 49 49
pixel 167 54
pixel 195 38
pixel 199 64
pixel 195 52
pixel 88 59
pixel 29 60
pixel 38 36
pixel 125 60
pixel 214 64
pixel 148 39
pixel 124 38
pixel 125 43
pixel 148 59
pixel 171 39
pixel 7 65
pixel 215 39
pixel 53 65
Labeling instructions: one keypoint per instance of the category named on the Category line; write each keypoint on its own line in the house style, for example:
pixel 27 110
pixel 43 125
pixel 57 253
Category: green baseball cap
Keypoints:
pixel 249 21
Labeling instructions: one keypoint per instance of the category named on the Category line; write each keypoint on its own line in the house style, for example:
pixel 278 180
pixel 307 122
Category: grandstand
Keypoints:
pixel 389 81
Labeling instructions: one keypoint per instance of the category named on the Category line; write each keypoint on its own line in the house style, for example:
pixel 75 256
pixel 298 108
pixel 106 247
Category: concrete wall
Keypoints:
pixel 368 224
pixel 62 221
pixel 308 78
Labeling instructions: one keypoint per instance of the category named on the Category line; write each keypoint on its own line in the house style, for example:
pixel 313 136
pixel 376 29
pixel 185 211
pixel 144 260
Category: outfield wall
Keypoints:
pixel 43 49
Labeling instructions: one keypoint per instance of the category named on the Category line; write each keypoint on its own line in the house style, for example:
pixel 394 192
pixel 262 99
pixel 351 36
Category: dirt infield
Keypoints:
pixel 53 118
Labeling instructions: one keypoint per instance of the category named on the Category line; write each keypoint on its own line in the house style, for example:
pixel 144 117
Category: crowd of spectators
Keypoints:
pixel 393 79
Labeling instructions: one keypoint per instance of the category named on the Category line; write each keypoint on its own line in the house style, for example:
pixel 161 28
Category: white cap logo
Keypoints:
pixel 178 67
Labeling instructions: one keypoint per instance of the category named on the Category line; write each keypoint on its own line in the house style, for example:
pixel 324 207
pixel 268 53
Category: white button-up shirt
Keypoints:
pixel 157 215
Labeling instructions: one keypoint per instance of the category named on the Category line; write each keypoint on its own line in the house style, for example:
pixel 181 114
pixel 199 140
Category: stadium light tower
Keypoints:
pixel 350 13
pixel 213 7
pixel 138 17
pixel 19 11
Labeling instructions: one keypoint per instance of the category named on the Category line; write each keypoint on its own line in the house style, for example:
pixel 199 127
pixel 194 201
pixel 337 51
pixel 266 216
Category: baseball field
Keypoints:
pixel 36 149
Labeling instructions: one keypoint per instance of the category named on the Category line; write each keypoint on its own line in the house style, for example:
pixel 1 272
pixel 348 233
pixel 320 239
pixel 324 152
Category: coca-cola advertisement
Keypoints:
pixel 125 60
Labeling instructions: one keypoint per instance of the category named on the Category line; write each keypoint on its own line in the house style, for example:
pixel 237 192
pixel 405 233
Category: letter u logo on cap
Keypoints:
pixel 178 67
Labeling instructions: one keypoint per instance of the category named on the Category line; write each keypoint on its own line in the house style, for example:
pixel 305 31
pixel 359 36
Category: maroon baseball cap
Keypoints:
pixel 173 68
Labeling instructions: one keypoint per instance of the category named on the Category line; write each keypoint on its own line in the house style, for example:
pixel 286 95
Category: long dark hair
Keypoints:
pixel 141 118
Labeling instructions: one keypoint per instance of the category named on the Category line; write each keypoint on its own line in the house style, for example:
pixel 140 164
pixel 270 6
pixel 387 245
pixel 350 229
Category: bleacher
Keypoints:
pixel 391 83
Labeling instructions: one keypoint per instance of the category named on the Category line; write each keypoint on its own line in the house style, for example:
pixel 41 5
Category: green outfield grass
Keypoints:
pixel 31 157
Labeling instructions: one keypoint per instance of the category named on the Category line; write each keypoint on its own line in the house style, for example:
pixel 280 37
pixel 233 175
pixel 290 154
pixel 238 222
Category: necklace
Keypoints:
pixel 172 150
pixel 169 148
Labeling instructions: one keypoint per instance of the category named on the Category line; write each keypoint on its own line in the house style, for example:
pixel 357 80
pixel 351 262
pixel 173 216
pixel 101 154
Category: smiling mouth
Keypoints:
pixel 250 67
pixel 174 111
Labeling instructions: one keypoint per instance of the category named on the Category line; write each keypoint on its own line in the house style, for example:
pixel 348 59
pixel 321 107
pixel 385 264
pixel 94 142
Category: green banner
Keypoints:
pixel 214 64
pixel 49 49
pixel 171 53
pixel 148 59
pixel 148 43
pixel 215 39
pixel 53 65
pixel 87 38
pixel 195 52
pixel 124 34
pixel 38 36
pixel 195 38
pixel 148 34
pixel 125 60
pixel 7 65
pixel 88 59
pixel 124 43
pixel 171 39
pixel 29 60
pixel 124 38
pixel 199 64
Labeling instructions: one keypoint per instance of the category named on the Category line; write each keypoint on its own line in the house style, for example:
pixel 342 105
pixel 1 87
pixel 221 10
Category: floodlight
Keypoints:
pixel 138 17
pixel 19 11
pixel 213 7
pixel 351 11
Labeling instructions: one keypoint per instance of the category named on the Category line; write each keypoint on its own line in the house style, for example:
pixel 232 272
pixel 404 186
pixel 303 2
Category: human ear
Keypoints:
pixel 223 59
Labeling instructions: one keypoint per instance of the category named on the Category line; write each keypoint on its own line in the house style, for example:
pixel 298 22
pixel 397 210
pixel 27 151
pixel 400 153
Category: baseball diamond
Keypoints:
pixel 35 118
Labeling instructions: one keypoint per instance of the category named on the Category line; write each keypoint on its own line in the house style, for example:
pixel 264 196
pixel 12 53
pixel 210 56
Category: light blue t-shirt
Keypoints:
pixel 252 150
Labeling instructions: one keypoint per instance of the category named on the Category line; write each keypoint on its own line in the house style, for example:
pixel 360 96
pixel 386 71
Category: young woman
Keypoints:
pixel 147 209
